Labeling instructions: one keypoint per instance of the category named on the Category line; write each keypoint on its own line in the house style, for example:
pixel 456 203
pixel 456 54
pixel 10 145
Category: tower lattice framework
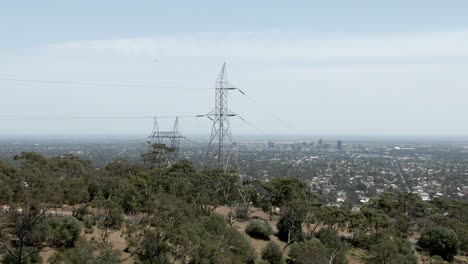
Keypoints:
pixel 163 146
pixel 222 150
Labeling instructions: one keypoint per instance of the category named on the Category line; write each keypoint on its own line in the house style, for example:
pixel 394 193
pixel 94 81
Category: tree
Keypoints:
pixel 289 228
pixel 158 156
pixel 21 231
pixel 290 224
pixel 10 186
pixel 31 257
pixel 151 247
pixel 356 225
pixel 377 221
pixel 108 217
pixel 287 189
pixel 336 247
pixel 40 185
pixel 272 253
pixel 174 228
pixel 383 252
pixel 439 241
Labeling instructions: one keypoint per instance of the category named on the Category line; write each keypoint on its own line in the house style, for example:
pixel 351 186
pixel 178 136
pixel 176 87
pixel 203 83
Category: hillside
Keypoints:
pixel 131 214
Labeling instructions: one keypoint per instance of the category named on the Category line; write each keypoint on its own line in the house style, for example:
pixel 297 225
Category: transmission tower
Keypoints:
pixel 163 146
pixel 221 148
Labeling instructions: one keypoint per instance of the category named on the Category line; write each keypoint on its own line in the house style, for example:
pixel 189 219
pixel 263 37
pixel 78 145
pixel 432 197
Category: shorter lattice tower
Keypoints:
pixel 163 146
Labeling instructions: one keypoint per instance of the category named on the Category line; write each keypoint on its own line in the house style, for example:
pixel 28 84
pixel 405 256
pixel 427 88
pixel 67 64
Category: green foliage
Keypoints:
pixel 383 252
pixel 10 185
pixel 259 229
pixel 81 211
pixel 439 241
pixel 89 221
pixel 32 256
pixel 311 251
pixel 357 224
pixel 387 251
pixel 22 232
pixel 64 231
pixel 463 237
pixel 272 253
pixel 173 227
pixel 75 191
pixel 89 252
pixel 157 156
pixel 289 227
pixel 178 205
pixel 286 189
pixel 336 247
pixel 153 248
pixel 109 217
pixel 377 221
pixel 38 233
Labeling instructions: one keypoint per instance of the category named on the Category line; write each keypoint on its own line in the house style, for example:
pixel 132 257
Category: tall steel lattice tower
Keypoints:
pixel 163 146
pixel 222 150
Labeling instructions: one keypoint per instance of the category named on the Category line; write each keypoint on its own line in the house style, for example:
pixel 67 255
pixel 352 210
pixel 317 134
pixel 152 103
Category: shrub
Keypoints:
pixel 81 211
pixel 272 253
pixel 32 254
pixel 89 252
pixel 307 251
pixel 440 241
pixel 241 212
pixel 259 229
pixel 64 231
pixel 391 251
pixel 89 221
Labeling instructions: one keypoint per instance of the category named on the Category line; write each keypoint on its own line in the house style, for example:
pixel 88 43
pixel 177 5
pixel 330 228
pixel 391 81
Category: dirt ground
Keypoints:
pixel 119 243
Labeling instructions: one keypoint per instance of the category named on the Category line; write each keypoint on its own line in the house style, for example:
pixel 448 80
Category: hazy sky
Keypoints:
pixel 308 67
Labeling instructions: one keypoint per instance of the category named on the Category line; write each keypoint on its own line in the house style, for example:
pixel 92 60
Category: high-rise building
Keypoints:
pixel 339 145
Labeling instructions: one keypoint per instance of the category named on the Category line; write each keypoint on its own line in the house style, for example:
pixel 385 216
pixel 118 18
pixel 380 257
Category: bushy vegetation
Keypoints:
pixel 89 252
pixel 391 252
pixel 259 229
pixel 169 214
pixel 308 251
pixel 31 255
pixel 439 241
pixel 64 231
pixel 272 253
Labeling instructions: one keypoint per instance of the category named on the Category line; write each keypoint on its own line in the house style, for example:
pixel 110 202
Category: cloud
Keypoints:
pixel 274 46
pixel 319 83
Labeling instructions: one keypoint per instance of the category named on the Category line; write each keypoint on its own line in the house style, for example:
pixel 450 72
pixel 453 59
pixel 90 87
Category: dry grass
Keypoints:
pixel 356 256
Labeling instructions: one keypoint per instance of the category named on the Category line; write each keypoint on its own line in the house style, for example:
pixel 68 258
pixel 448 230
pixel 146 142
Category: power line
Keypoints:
pixel 255 127
pixel 267 110
pixel 102 84
pixel 64 118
